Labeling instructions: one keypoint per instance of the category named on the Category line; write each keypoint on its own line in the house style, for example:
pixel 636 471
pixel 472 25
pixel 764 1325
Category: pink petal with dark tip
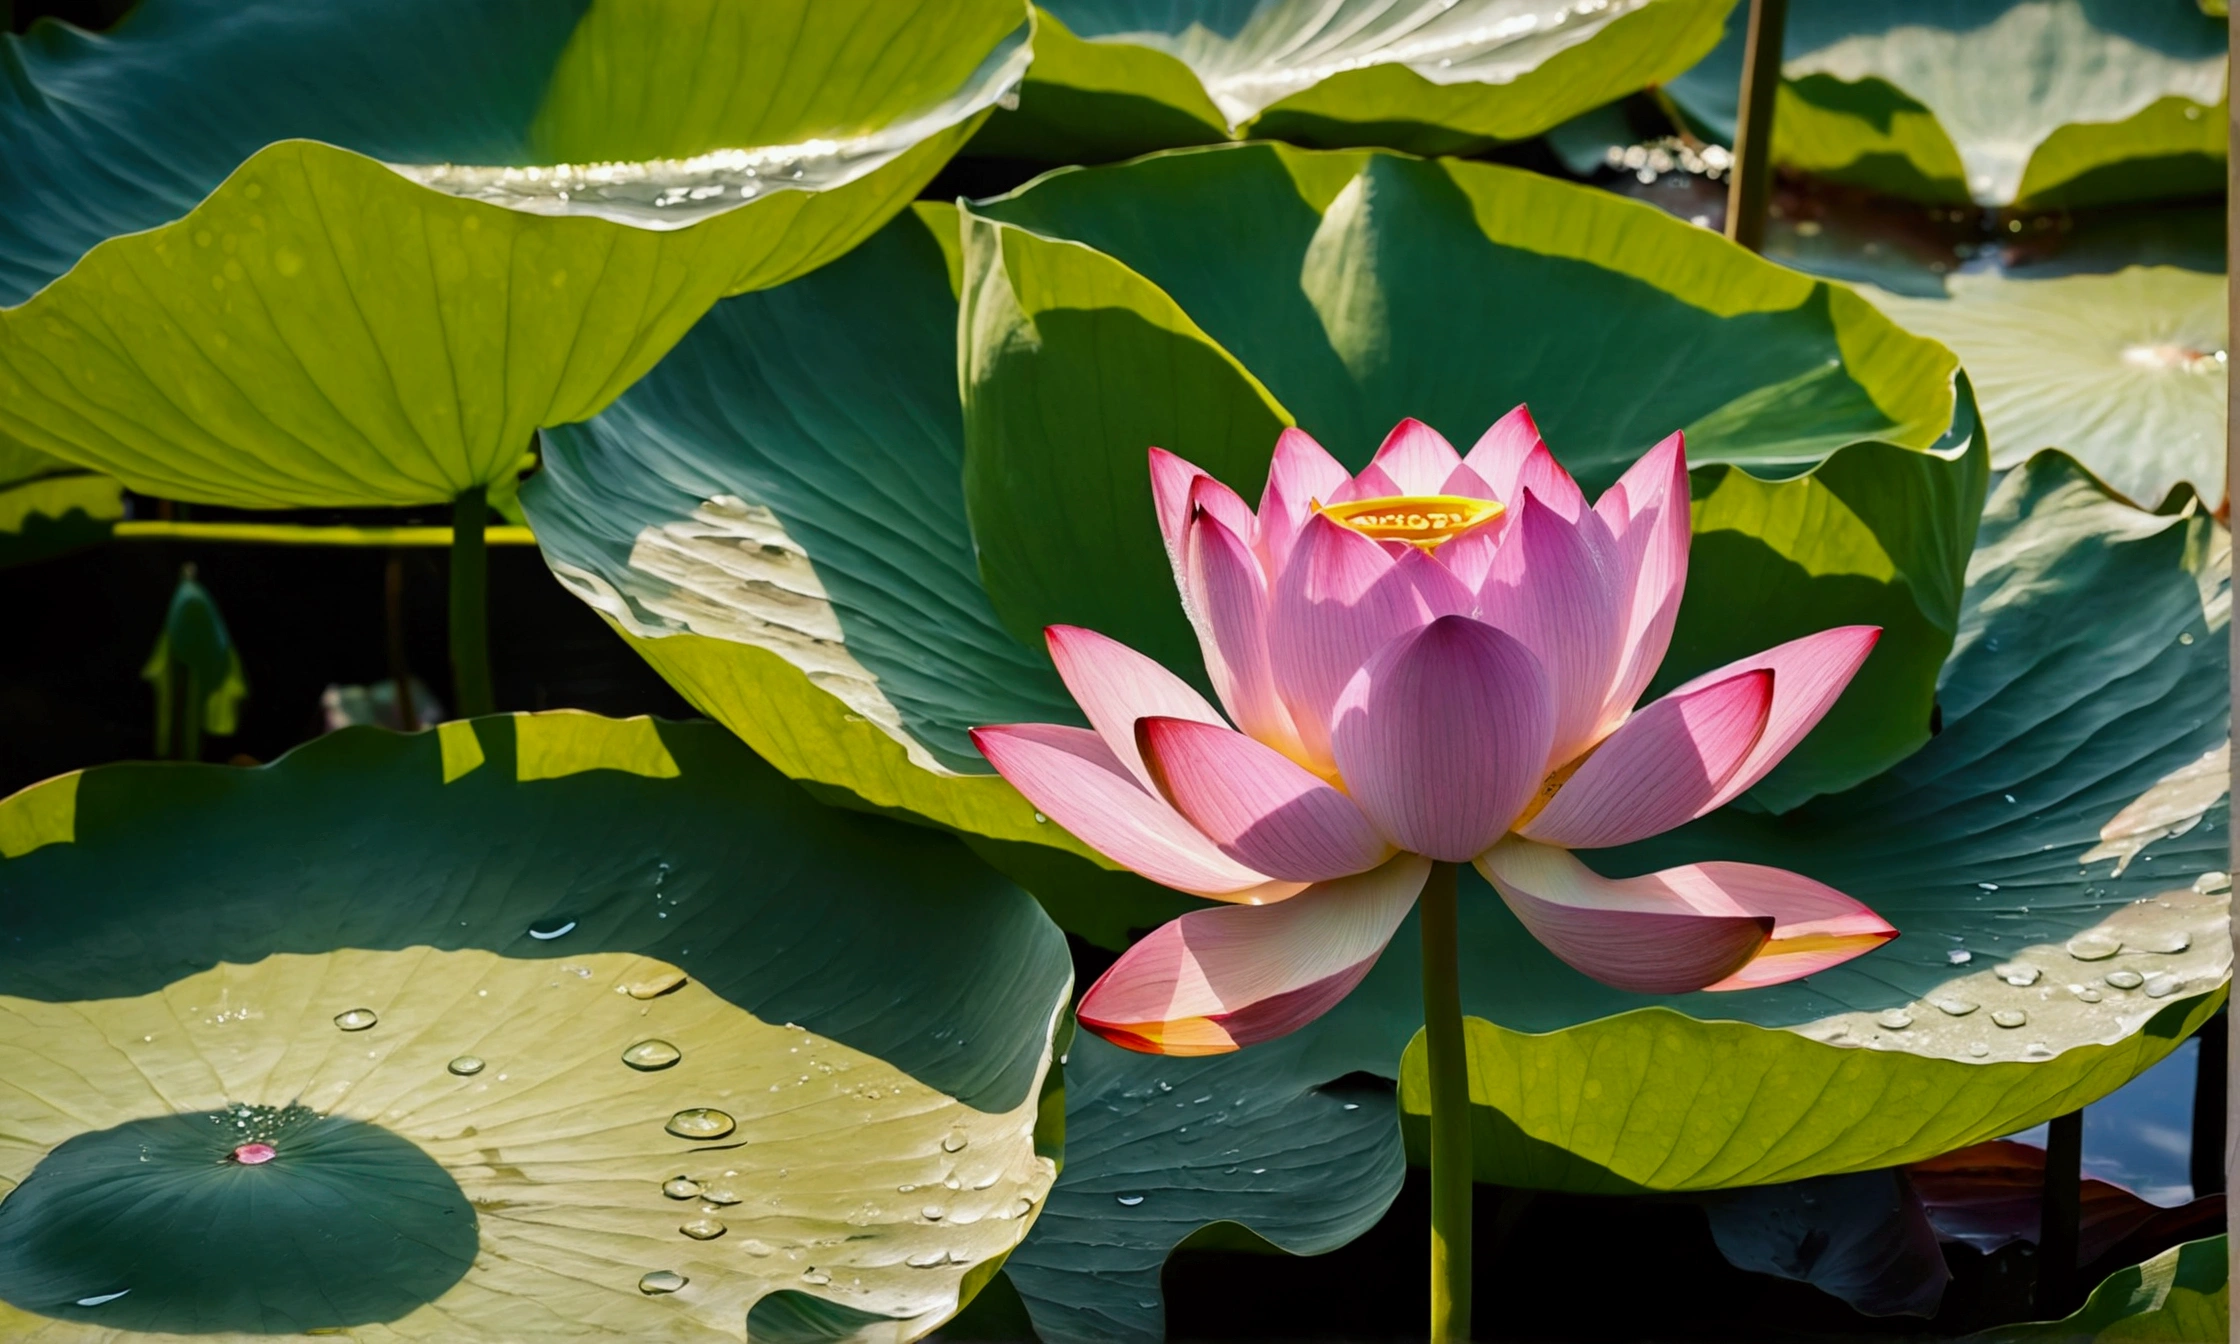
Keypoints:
pixel 1229 604
pixel 1071 776
pixel 1301 474
pixel 1215 980
pixel 1551 585
pixel 1416 458
pixel 1257 805
pixel 1808 676
pixel 1115 686
pixel 1660 768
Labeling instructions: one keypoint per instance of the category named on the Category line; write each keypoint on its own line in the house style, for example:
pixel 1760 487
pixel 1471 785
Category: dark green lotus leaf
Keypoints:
pixel 487 992
pixel 2181 1296
pixel 2053 860
pixel 1158 1151
pixel 2030 103
pixel 48 506
pixel 358 254
pixel 1863 1237
pixel 1113 78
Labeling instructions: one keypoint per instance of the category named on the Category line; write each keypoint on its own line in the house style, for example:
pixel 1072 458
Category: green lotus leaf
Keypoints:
pixel 2181 1295
pixel 2053 860
pixel 2030 103
pixel 554 1025
pixel 2126 370
pixel 1114 78
pixel 1248 1148
pixel 48 506
pixel 795 521
pixel 359 255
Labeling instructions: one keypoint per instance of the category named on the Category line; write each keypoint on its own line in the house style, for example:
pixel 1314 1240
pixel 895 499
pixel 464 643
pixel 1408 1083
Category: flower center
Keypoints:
pixel 1419 520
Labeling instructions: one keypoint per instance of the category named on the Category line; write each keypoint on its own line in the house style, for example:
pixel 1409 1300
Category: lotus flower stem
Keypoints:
pixel 470 604
pixel 1752 174
pixel 400 672
pixel 2060 1215
pixel 1451 1176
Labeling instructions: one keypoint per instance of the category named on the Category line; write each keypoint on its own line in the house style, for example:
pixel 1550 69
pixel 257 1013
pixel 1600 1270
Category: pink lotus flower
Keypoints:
pixel 1417 674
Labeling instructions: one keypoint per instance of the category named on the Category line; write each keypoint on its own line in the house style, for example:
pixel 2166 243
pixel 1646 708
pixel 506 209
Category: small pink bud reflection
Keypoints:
pixel 254 1154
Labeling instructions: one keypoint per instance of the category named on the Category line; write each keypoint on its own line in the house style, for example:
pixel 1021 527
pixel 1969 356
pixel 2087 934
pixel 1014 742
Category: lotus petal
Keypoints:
pixel 1115 686
pixel 1660 768
pixel 1215 980
pixel 1257 805
pixel 1228 600
pixel 1808 675
pixel 1073 776
pixel 1442 735
pixel 1551 585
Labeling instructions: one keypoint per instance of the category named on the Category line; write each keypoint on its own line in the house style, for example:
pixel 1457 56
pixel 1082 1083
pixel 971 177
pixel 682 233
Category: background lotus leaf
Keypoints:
pixel 1113 78
pixel 2030 103
pixel 415 964
pixel 47 505
pixel 358 254
pixel 794 521
pixel 2181 1295
pixel 2125 370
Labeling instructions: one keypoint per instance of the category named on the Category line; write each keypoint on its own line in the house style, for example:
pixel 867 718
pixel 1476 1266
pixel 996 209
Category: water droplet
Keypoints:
pixel 931 1213
pixel 1987 886
pixel 255 1154
pixel 647 1056
pixel 661 1281
pixel 1897 1019
pixel 1953 1007
pixel 1978 1049
pixel 753 1247
pixel 466 1066
pixel 2208 884
pixel 2165 941
pixel 680 1187
pixel 357 1019
pixel 700 1122
pixel 2163 986
pixel 1352 1106
pixel 1129 1201
pixel 815 1276
pixel 100 1298
pixel 2085 993
pixel 2185 637
pixel 1959 956
pixel 2038 1050
pixel 2009 1017
pixel 2124 979
pixel 954 1141
pixel 655 985
pixel 2008 796
pixel 927 1259
pixel 2093 947
pixel 703 1229
pixel 720 1194
pixel 2020 974
pixel 551 927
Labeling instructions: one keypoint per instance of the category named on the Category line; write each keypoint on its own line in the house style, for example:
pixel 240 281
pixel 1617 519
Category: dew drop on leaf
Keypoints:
pixel 2125 979
pixel 647 1056
pixel 466 1066
pixel 700 1122
pixel 703 1229
pixel 661 1281
pixel 356 1019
